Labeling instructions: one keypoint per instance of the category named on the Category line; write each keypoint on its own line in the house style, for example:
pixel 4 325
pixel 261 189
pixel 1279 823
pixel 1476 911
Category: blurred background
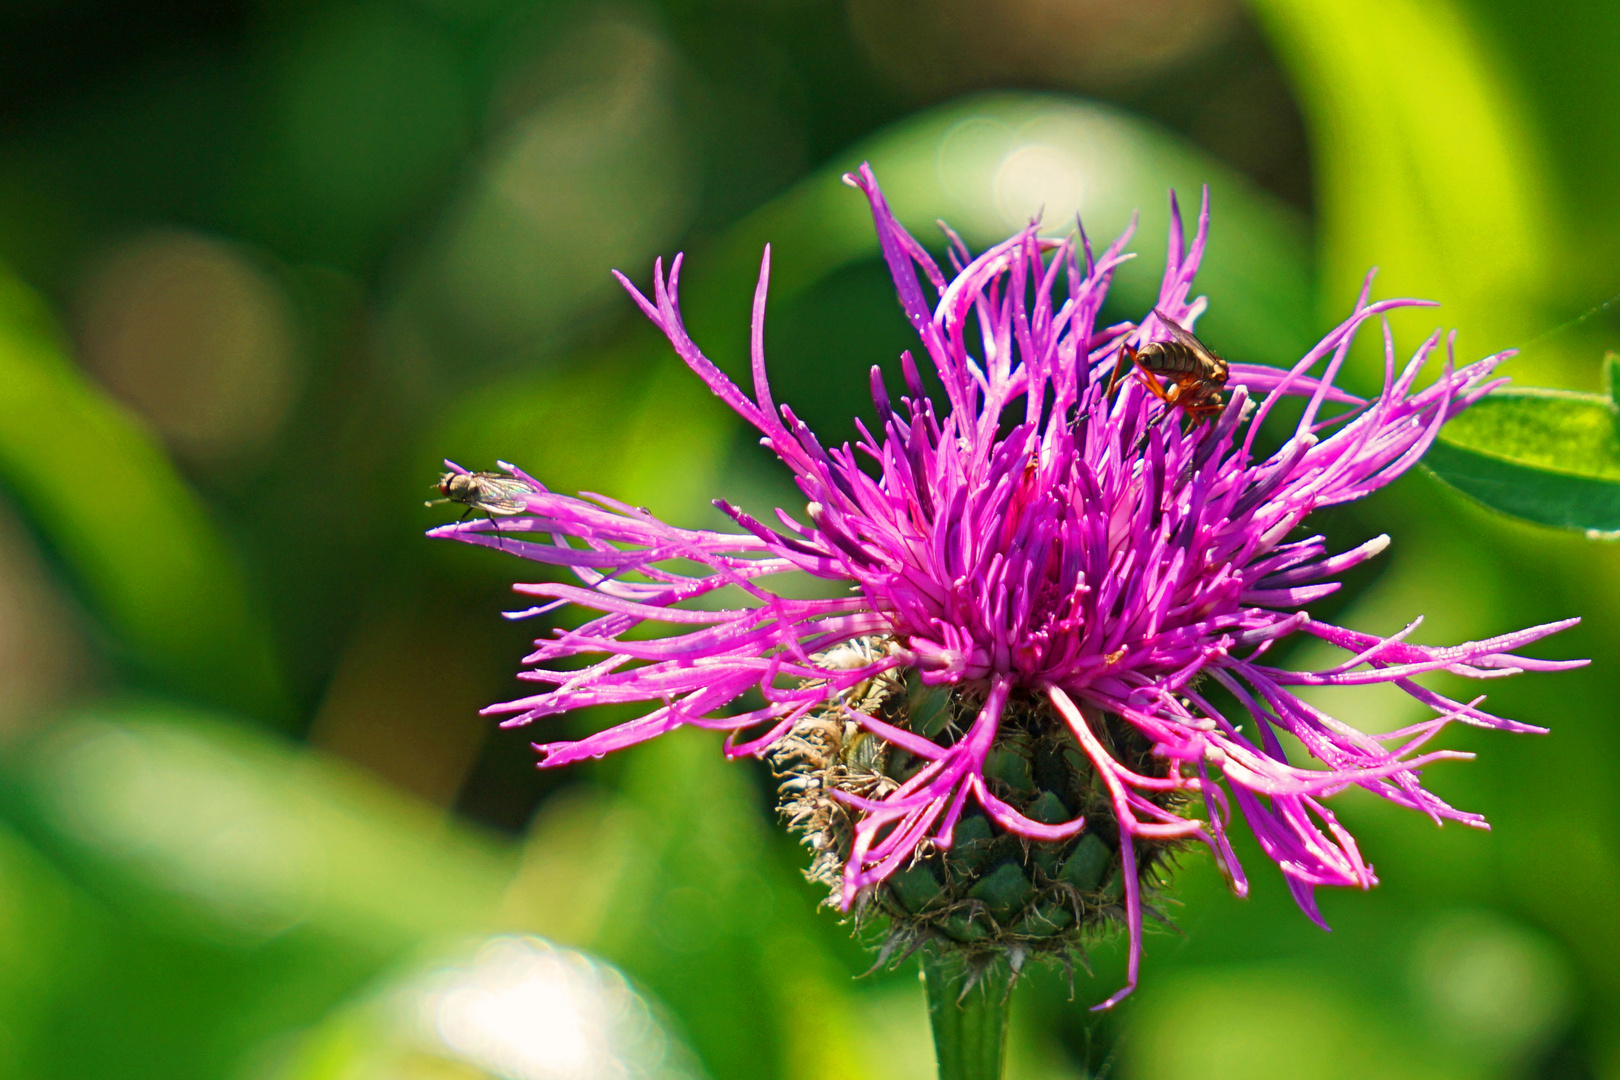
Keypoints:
pixel 266 264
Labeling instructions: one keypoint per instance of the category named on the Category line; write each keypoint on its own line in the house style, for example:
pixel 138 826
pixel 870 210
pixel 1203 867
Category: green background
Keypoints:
pixel 265 265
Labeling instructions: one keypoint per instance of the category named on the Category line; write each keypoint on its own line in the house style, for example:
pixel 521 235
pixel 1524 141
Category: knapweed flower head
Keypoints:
pixel 1054 649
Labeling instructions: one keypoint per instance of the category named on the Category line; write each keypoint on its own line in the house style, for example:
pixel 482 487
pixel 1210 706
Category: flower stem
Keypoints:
pixel 970 1028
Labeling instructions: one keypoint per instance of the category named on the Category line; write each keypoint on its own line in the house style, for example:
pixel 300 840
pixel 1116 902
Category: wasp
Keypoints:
pixel 1196 376
pixel 484 492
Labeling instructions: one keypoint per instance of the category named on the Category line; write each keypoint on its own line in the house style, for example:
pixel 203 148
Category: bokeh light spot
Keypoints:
pixel 524 1009
pixel 1497 987
pixel 196 337
pixel 597 174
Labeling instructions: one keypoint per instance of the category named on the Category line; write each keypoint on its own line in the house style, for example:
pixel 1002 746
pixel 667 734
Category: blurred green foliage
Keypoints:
pixel 406 211
pixel 1426 163
pixel 137 542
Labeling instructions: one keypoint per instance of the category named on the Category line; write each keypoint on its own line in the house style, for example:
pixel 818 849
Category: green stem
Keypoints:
pixel 970 1029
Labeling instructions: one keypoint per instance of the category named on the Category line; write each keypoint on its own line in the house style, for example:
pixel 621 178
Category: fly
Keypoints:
pixel 483 492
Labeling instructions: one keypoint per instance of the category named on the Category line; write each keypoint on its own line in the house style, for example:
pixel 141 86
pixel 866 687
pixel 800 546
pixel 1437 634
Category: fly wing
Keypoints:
pixel 1185 337
pixel 503 494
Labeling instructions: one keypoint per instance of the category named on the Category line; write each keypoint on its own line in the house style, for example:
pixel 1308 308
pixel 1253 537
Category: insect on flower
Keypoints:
pixel 485 492
pixel 1195 374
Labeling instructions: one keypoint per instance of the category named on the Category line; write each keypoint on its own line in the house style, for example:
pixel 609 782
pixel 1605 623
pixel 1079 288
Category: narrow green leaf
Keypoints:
pixel 1549 456
pixel 134 539
pixel 210 828
pixel 1426 166
pixel 1554 430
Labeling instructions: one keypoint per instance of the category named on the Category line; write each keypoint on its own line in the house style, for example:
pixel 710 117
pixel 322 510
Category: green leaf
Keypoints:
pixel 134 539
pixel 1548 456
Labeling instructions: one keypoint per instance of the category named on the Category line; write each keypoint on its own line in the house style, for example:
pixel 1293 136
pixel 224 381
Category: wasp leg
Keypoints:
pixel 1155 387
pixel 1127 358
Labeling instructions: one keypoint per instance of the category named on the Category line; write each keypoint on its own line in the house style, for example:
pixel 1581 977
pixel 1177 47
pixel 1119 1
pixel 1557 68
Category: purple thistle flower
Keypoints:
pixel 1036 536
